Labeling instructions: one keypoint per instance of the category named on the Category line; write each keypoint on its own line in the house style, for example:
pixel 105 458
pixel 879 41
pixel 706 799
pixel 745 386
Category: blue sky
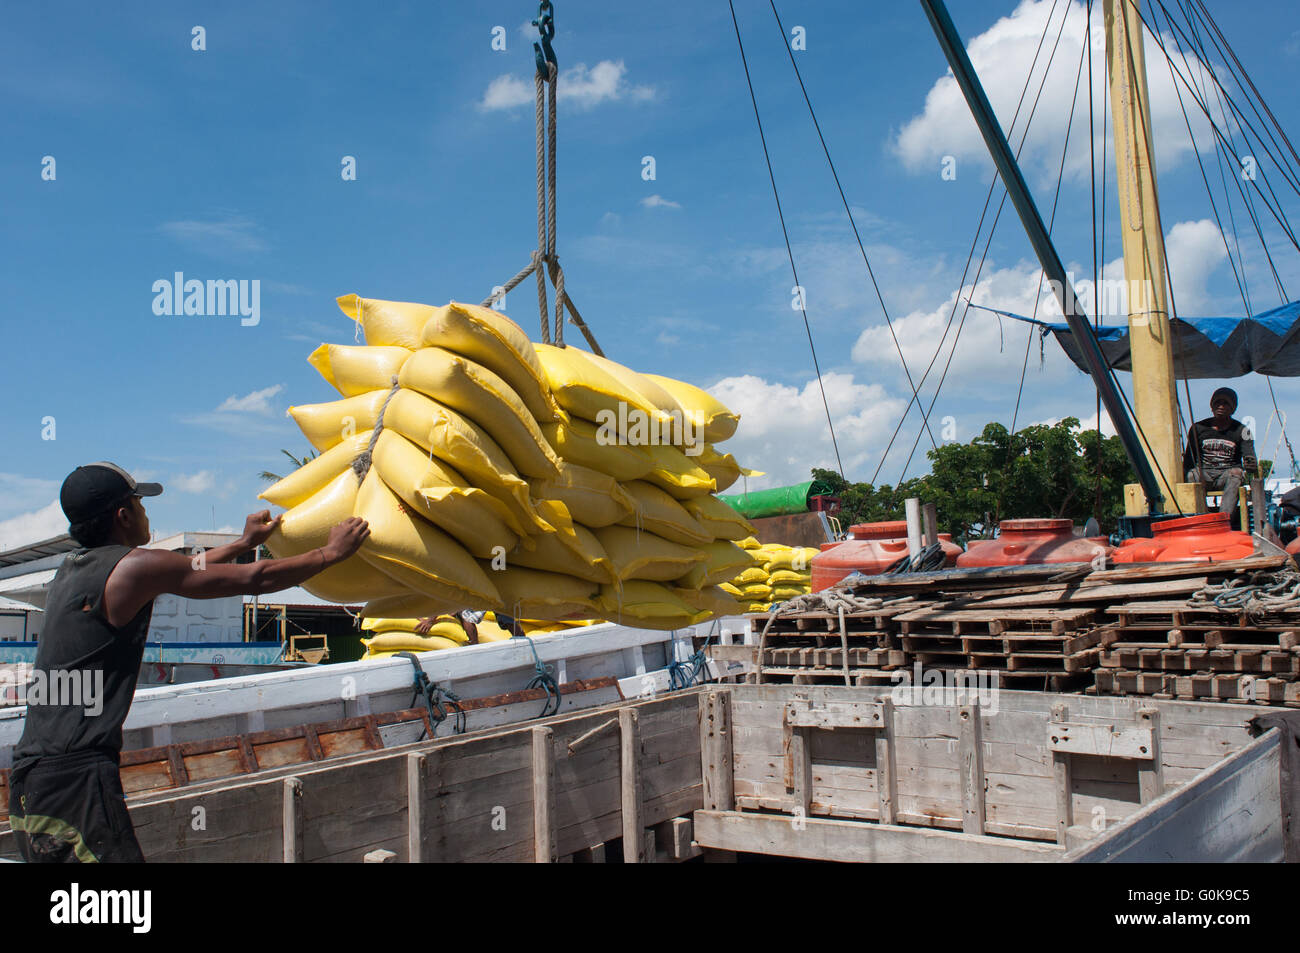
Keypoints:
pixel 225 163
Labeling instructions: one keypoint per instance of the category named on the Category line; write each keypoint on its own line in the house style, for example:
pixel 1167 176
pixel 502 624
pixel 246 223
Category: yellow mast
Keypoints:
pixel 1155 401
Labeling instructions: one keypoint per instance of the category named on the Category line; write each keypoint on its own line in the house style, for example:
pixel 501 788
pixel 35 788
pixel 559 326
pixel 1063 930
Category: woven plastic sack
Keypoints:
pixel 592 498
pixel 723 560
pixel 587 390
pixel 712 599
pixel 538 594
pixel 387 322
pixel 417 553
pixel 643 555
pixel 648 605
pixel 578 441
pixel 574 553
pixel 316 473
pixel 485 398
pixel 307 526
pixel 496 342
pixel 328 424
pixel 718 519
pixel 662 515
pixel 353 370
pixel 446 628
pixel 390 643
pixel 719 422
pixel 673 471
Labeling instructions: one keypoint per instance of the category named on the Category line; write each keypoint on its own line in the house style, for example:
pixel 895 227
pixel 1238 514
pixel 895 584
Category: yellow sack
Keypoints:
pixel 797 560
pixel 754 574
pixel 718 519
pixel 591 497
pixel 325 425
pixel 723 560
pixel 486 399
pixel 580 441
pixel 643 555
pixel 719 423
pixel 466 447
pixel 672 470
pixel 584 388
pixel 316 473
pixel 352 369
pixel 496 342
pixel 676 429
pixel 648 605
pixel 749 543
pixel 756 592
pixel 784 593
pixel 729 588
pixel 408 604
pixel 712 599
pixel 788 576
pixel 478 520
pixel 386 323
pixel 390 643
pixel 417 553
pixel 544 595
pixel 723 467
pixel 659 513
pixel 536 626
pixel 758 606
pixel 307 526
pixel 441 628
pixel 576 552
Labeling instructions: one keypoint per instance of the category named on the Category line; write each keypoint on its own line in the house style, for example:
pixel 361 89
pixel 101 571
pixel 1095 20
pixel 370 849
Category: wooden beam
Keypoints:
pixel 1151 774
pixel 630 786
pixel 543 796
pixel 1063 781
pixel 857 841
pixel 887 763
pixel 417 798
pixel 291 792
pixel 716 756
pixel 971 753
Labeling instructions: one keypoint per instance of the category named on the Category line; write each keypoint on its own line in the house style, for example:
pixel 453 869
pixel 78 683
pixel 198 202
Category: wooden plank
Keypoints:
pixel 886 764
pixel 1228 814
pixel 544 795
pixel 799 769
pixel 801 713
pixel 716 755
pixel 1124 741
pixel 291 792
pixel 1064 786
pixel 1151 779
pixel 675 839
pixel 972 769
pixel 857 841
pixel 630 786
pixel 416 799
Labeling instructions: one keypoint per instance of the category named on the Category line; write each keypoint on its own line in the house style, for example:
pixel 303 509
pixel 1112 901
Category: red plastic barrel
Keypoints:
pixel 1204 538
pixel 873 549
pixel 1021 542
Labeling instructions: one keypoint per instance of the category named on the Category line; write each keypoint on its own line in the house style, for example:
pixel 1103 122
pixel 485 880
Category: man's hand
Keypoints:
pixel 258 527
pixel 345 539
pixel 424 625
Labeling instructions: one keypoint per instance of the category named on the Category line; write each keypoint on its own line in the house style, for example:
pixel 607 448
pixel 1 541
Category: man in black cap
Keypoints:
pixel 65 800
pixel 1219 450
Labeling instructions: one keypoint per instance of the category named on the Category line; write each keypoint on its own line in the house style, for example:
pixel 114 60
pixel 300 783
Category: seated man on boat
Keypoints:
pixel 1220 450
pixel 66 803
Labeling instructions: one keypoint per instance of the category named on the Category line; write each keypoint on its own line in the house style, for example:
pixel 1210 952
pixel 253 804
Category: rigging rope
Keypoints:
pixel 789 252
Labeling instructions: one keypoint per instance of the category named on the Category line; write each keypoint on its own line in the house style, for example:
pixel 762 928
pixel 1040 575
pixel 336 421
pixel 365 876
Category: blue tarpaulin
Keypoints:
pixel 1267 343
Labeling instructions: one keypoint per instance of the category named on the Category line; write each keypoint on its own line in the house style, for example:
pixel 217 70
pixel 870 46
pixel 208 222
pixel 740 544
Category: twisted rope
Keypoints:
pixel 361 465
pixel 1261 594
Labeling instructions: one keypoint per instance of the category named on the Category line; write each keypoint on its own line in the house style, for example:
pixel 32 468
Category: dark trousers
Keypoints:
pixel 70 809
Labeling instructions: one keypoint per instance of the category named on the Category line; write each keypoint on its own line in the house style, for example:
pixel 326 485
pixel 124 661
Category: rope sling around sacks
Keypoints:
pixel 546 80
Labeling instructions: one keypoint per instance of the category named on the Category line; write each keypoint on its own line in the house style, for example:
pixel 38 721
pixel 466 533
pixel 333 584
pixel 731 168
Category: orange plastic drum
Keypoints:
pixel 1207 537
pixel 873 549
pixel 1021 542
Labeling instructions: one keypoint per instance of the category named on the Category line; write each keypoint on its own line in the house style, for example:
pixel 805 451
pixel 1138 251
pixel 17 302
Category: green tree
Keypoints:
pixel 270 477
pixel 1040 471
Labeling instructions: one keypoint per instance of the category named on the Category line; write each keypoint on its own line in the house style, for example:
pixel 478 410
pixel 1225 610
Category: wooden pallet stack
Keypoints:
pixel 1055 628
pixel 1179 650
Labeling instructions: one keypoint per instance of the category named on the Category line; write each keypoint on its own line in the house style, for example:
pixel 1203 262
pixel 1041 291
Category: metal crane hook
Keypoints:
pixel 542 51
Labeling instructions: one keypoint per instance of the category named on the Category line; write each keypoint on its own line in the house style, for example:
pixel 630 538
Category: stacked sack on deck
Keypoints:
pixel 775 573
pixel 546 482
pixel 390 636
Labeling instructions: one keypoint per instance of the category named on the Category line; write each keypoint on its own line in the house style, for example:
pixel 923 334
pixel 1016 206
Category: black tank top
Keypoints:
pixel 89 668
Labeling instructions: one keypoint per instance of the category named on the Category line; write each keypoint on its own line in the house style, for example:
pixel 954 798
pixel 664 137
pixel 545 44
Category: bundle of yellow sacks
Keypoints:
pixel 775 573
pixel 390 636
pixel 548 483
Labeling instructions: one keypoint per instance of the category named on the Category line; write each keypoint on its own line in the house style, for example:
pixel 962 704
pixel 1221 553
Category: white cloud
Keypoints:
pixel 1085 423
pixel 20 494
pixel 783 428
pixel 257 402
pixel 26 528
pixel 215 237
pixel 1002 56
pixel 658 201
pixel 992 350
pixel 578 86
pixel 199 482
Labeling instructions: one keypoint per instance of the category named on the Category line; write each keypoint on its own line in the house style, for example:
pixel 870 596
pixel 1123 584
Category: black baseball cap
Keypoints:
pixel 97 487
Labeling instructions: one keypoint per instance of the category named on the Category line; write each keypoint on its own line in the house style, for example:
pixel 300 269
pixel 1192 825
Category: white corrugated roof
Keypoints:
pixel 14 605
pixel 296 596
pixel 28 581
